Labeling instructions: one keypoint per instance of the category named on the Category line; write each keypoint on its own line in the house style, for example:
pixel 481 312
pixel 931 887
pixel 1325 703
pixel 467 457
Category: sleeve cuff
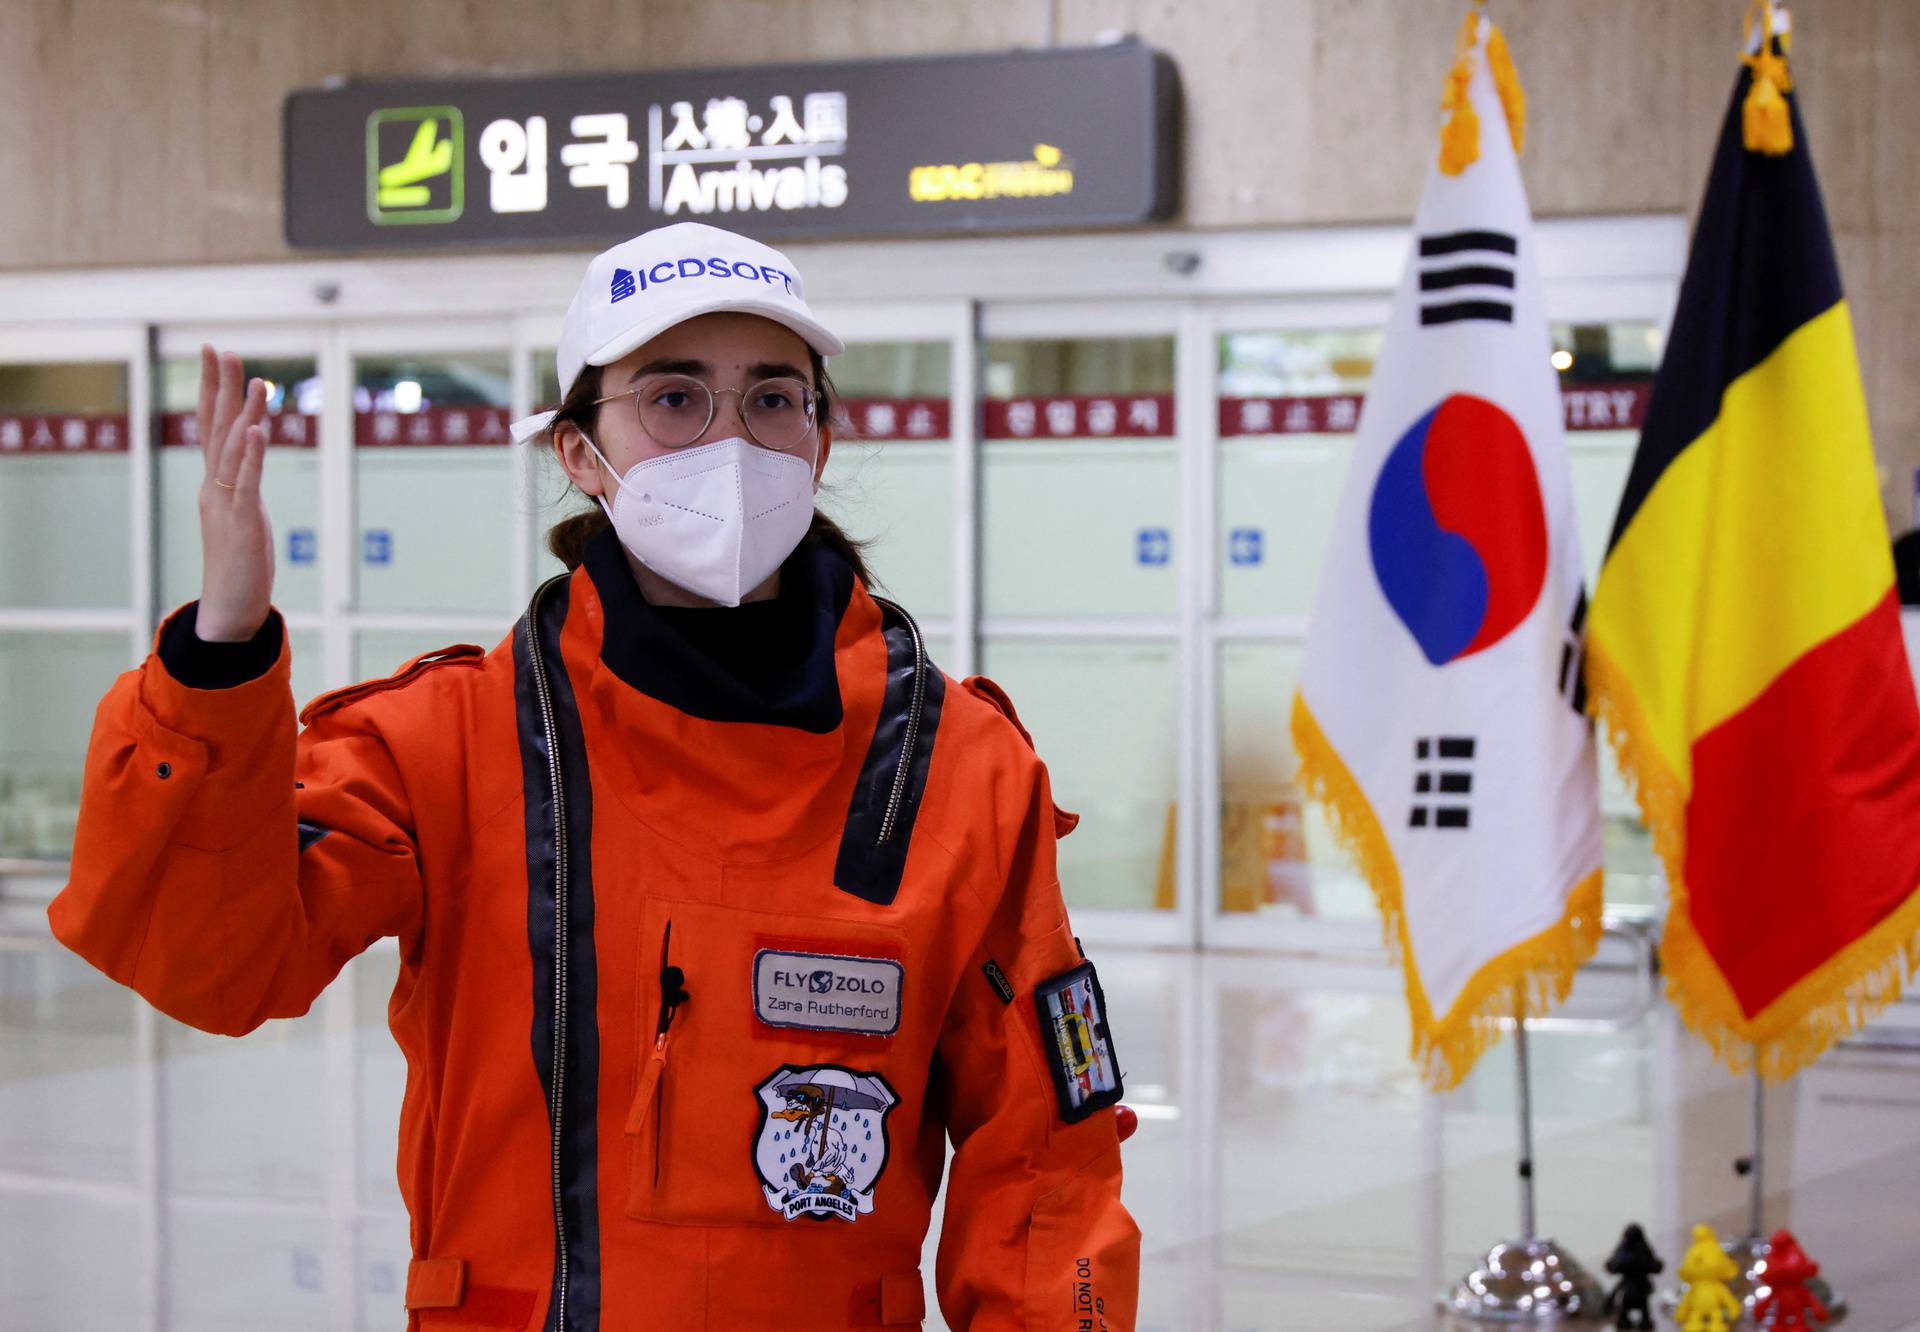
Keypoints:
pixel 198 664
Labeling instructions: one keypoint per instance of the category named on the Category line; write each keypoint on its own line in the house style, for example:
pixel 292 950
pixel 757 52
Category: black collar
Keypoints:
pixel 648 650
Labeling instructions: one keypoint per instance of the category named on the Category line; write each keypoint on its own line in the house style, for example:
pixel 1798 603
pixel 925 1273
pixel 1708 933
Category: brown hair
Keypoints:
pixel 568 538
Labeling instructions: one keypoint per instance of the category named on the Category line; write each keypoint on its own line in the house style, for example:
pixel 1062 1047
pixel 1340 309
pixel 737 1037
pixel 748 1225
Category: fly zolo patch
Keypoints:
pixel 1077 1044
pixel 821 991
pixel 822 1142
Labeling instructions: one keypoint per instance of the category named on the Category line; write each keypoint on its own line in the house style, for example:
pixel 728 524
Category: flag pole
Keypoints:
pixel 1749 1253
pixel 1530 1280
pixel 1525 1101
pixel 1756 1225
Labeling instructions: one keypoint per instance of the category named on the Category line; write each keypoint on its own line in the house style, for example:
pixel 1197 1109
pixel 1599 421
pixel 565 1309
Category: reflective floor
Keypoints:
pixel 1288 1173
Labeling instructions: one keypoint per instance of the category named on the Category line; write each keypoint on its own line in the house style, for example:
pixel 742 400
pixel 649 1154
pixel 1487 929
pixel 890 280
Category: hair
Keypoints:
pixel 568 538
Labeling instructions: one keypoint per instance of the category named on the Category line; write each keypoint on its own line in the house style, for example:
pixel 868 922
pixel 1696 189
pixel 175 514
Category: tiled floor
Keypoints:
pixel 1288 1173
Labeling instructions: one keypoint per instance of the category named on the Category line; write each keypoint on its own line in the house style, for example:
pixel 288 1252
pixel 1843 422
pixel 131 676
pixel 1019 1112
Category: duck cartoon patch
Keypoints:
pixel 822 1143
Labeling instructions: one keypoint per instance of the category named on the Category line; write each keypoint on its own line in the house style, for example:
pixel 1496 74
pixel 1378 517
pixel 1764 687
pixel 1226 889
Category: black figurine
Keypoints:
pixel 1636 1264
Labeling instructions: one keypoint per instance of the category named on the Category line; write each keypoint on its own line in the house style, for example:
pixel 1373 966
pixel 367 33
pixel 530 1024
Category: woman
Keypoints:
pixel 719 908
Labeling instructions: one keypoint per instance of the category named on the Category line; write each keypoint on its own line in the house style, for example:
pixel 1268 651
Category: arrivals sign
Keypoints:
pixel 1029 140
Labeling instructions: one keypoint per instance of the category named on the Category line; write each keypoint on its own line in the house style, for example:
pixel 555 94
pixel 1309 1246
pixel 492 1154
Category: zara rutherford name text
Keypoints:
pixel 828 1008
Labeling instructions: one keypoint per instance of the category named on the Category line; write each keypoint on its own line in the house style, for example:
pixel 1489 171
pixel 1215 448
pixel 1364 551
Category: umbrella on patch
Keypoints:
pixel 840 1089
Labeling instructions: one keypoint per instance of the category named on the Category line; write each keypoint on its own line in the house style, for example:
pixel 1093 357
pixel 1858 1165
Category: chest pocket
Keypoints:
pixel 780 1067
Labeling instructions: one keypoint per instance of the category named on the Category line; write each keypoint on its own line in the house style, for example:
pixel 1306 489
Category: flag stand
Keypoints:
pixel 1749 1254
pixel 1529 1280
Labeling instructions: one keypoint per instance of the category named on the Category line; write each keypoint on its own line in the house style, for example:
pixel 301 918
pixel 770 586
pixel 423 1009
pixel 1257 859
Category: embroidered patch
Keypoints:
pixel 822 1142
pixel 1079 1049
pixel 828 991
pixel 998 980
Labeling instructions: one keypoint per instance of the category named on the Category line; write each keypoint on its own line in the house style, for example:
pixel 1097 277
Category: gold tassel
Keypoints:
pixel 1460 136
pixel 1506 79
pixel 1766 120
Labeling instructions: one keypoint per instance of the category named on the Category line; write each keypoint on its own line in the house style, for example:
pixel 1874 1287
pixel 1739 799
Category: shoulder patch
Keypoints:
pixel 1077 1043
pixel 466 654
pixel 983 688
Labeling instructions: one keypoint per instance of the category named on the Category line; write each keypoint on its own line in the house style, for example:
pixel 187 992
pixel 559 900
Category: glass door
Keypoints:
pixel 1085 538
pixel 78 1159
pixel 75 599
pixel 434 552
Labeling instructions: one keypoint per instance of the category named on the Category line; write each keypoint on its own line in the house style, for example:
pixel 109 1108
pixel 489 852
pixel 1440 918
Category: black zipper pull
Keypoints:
pixel 673 984
pixel 647 1095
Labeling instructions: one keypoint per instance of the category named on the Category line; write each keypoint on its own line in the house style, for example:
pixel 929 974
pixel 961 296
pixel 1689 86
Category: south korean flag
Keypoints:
pixel 1437 718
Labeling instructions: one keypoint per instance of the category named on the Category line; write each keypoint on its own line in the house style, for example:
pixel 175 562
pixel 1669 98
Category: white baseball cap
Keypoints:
pixel 642 287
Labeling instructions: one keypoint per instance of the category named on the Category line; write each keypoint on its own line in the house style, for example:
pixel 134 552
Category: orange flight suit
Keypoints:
pixel 691 997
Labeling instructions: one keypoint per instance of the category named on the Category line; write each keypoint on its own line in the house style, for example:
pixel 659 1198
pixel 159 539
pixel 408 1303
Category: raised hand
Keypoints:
pixel 236 540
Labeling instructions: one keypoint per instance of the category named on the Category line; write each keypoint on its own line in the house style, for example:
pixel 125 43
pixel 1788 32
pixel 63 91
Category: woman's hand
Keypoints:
pixel 236 541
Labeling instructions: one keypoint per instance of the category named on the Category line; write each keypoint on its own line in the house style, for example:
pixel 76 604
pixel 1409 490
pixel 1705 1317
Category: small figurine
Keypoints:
pixel 1636 1264
pixel 1707 1305
pixel 1788 1300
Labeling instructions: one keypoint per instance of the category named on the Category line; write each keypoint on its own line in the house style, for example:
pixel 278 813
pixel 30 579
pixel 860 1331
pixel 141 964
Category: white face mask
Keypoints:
pixel 716 520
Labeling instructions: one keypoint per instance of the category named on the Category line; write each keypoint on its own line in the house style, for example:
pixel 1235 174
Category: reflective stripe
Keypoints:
pixel 873 852
pixel 564 971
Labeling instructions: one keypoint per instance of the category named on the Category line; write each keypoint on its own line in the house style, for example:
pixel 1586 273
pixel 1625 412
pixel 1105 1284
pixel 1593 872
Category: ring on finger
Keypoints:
pixel 224 485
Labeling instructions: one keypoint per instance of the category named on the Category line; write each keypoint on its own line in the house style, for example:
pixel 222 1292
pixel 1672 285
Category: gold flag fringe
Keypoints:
pixel 1528 979
pixel 1835 1000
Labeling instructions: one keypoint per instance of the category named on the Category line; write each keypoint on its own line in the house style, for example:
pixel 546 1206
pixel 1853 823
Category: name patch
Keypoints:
pixel 828 991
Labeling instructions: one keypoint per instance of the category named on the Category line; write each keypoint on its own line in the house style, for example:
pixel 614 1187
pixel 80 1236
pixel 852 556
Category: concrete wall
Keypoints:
pixel 148 131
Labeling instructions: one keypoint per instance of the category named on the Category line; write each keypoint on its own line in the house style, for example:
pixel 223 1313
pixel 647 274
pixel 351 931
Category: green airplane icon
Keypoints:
pixel 427 156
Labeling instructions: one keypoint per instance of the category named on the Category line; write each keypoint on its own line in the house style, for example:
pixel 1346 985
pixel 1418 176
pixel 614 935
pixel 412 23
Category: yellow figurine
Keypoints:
pixel 1707 1305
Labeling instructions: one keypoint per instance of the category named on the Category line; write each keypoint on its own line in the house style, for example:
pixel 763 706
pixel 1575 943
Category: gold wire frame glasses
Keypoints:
pixel 675 410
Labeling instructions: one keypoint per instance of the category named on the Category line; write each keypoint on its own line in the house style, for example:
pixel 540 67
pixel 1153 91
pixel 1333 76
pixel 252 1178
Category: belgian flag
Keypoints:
pixel 1744 646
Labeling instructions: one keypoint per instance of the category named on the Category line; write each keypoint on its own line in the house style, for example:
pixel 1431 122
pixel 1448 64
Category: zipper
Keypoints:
pixel 556 1100
pixel 898 794
pixel 653 1089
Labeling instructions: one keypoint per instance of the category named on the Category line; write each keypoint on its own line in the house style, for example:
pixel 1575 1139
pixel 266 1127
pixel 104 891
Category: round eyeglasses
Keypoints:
pixel 675 410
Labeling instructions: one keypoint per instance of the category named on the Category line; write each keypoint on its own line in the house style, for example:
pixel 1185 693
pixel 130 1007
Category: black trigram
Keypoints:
pixel 1442 771
pixel 1573 658
pixel 1455 262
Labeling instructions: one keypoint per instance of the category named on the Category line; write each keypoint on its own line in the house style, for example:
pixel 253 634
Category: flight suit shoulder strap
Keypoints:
pixel 459 654
pixel 983 688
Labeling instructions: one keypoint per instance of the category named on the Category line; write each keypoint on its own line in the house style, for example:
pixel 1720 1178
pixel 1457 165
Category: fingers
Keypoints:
pixel 209 389
pixel 229 397
pixel 253 451
pixel 226 459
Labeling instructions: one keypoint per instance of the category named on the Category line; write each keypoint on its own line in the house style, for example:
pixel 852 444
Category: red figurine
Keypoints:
pixel 1788 1301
